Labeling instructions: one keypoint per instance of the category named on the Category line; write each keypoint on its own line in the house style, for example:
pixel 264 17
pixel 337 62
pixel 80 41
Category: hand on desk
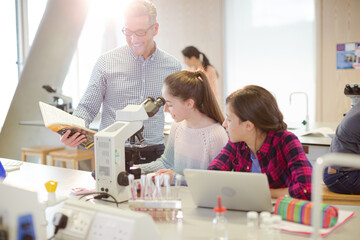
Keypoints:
pixel 75 140
pixel 279 192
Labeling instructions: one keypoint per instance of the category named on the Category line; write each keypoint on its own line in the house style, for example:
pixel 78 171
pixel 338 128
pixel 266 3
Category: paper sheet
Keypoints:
pixel 307 230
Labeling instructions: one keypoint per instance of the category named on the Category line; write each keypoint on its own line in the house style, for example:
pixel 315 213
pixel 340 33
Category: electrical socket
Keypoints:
pixel 26 227
pixel 78 223
pixel 106 226
pixel 97 221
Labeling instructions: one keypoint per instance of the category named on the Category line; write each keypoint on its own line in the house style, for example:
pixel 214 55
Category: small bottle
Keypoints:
pixel 276 222
pixel 219 223
pixel 264 215
pixel 266 228
pixel 252 225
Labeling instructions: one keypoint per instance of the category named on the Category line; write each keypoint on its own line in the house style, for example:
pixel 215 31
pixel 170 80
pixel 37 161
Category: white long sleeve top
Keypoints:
pixel 189 148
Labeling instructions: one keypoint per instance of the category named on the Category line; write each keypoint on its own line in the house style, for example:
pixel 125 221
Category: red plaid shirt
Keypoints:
pixel 281 158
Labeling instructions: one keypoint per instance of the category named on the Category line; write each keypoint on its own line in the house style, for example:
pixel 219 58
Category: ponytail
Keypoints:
pixel 196 86
pixel 192 51
pixel 205 61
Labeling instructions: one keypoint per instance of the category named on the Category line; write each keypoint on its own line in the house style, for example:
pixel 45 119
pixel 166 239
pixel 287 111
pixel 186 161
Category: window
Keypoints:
pixel 271 43
pixel 101 33
pixel 8 56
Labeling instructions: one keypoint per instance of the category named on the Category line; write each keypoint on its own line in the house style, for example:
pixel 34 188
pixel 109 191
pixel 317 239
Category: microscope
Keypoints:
pixel 59 100
pixel 353 92
pixel 111 167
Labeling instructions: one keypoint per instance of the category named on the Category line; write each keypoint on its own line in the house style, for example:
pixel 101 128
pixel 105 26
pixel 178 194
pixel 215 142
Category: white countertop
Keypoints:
pixel 196 222
pixel 316 139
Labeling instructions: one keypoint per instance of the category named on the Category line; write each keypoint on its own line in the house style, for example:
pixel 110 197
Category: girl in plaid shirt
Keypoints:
pixel 260 143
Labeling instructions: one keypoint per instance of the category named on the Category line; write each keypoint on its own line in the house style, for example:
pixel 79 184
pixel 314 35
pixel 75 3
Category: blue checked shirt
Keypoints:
pixel 121 78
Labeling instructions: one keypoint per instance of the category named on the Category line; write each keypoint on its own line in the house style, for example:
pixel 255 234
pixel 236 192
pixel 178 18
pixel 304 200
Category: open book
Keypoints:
pixel 320 132
pixel 60 121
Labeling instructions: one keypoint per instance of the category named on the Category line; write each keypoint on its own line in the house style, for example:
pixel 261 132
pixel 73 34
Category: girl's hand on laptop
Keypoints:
pixel 170 172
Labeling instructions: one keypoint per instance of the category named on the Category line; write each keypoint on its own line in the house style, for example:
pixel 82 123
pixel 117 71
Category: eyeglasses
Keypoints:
pixel 139 33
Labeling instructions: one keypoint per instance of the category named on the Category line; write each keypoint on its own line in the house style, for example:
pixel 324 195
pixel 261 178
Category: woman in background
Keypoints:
pixel 196 136
pixel 259 143
pixel 197 60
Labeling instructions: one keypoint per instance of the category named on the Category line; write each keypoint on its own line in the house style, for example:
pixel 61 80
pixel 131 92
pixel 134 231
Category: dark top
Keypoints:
pixel 347 137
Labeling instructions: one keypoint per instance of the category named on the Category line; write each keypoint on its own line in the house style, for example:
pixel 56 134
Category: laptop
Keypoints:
pixel 238 190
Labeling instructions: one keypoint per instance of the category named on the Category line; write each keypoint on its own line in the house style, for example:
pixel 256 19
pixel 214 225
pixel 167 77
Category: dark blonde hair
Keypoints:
pixel 195 85
pixel 259 106
pixel 137 8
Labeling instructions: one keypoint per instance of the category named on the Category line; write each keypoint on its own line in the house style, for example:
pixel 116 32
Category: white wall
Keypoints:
pixel 198 23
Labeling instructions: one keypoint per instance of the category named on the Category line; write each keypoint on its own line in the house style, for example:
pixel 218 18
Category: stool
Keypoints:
pixel 38 151
pixel 73 156
pixel 338 198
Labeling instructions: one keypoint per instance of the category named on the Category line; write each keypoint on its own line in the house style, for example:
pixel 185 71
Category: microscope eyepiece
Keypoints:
pixel 152 106
pixel 160 101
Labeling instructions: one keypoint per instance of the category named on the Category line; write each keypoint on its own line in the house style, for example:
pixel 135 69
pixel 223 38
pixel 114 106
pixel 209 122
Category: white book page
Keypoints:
pixel 52 115
pixel 287 226
pixel 320 132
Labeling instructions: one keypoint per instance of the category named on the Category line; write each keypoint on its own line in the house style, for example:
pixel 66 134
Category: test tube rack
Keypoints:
pixel 160 210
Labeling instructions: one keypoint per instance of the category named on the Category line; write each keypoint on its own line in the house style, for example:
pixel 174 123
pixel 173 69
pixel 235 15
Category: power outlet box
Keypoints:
pixel 26 227
pixel 79 222
pixel 97 221
pixel 106 226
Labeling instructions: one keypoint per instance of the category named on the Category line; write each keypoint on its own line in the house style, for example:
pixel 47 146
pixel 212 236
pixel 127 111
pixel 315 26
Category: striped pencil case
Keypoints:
pixel 299 211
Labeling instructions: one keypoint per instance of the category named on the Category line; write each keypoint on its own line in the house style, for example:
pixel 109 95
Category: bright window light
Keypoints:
pixel 271 43
pixel 8 56
pixel 101 33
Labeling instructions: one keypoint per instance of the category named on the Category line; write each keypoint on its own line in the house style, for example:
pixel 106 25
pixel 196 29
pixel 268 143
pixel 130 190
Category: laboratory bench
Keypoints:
pixel 195 224
pixel 315 145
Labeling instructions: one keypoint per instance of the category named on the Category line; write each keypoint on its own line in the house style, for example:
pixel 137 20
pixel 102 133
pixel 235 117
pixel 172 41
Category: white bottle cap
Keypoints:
pixel 252 215
pixel 265 214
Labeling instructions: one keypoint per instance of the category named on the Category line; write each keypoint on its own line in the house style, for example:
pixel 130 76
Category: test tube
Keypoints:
pixel 132 186
pixel 177 186
pixel 166 178
pixel 143 186
pixel 149 188
pixel 158 187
